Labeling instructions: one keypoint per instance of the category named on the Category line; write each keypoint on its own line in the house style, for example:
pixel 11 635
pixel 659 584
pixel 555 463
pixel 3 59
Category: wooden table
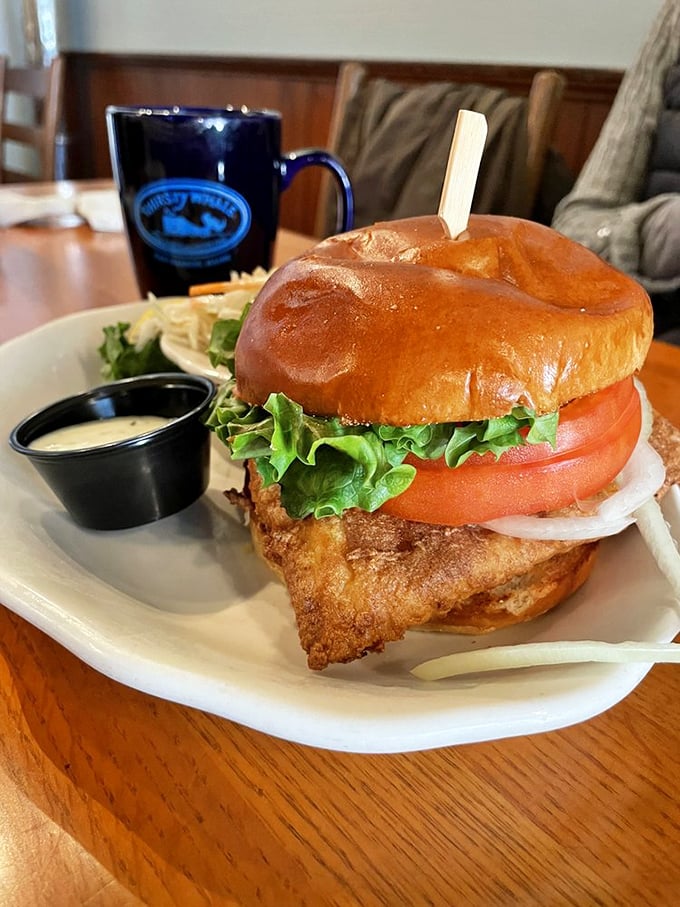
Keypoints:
pixel 112 797
pixel 48 273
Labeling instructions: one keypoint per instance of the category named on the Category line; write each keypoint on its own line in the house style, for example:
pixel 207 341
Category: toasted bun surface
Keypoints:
pixel 523 598
pixel 399 324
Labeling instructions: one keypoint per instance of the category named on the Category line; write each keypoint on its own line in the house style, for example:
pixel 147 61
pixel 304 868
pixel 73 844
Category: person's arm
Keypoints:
pixel 602 210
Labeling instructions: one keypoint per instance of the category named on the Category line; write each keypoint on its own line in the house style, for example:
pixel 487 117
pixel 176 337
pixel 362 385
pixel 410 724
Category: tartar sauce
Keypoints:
pixel 97 432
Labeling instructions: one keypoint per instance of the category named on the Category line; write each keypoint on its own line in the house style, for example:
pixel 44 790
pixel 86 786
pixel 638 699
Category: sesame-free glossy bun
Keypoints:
pixel 399 324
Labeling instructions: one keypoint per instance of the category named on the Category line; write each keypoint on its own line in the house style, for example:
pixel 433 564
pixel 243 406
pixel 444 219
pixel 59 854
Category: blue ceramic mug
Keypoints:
pixel 200 190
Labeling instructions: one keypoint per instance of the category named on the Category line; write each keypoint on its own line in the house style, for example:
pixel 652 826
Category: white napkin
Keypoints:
pixel 15 207
pixel 101 209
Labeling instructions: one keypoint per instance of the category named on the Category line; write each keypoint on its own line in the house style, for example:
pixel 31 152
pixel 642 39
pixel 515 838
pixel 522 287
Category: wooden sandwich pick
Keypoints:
pixel 465 156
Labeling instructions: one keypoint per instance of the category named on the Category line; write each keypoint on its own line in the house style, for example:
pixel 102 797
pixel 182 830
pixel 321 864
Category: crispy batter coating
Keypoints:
pixel 361 580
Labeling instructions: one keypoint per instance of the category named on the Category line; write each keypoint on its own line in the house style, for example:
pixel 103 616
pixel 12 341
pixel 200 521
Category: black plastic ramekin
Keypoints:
pixel 137 480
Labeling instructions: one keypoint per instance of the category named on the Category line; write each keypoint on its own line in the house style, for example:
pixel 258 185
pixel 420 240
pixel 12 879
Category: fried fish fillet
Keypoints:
pixel 361 580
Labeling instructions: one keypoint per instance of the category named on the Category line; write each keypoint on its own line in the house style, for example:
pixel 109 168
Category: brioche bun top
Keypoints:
pixel 400 324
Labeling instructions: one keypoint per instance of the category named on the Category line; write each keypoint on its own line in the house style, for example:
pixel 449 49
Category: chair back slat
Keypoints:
pixel 30 81
pixel 30 108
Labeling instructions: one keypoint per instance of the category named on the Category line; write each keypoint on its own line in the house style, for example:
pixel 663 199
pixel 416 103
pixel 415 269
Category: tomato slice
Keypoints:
pixel 595 437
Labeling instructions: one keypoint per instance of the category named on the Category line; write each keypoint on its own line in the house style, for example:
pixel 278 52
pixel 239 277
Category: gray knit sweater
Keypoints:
pixel 603 211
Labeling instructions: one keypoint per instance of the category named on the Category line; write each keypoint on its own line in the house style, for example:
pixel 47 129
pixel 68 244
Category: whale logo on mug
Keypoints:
pixel 191 221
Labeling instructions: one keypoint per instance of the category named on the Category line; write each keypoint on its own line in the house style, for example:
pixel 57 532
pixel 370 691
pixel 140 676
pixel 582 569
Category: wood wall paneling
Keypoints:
pixel 301 89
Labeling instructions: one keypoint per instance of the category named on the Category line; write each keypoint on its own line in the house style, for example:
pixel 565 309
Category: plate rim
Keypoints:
pixel 365 732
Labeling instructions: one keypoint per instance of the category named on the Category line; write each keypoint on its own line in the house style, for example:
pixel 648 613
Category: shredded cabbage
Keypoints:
pixel 190 320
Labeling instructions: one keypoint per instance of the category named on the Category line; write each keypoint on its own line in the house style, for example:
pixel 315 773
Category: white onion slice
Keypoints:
pixel 647 411
pixel 658 539
pixel 566 528
pixel 657 536
pixel 639 480
pixel 532 654
pixel 641 469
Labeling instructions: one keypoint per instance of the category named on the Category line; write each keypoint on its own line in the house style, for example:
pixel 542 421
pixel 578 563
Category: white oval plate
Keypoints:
pixel 192 361
pixel 184 610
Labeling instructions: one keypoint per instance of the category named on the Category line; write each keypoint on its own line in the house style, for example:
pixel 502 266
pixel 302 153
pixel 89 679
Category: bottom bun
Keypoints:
pixel 523 598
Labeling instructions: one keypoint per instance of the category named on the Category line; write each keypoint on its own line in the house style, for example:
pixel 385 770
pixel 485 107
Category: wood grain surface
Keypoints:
pixel 304 91
pixel 112 797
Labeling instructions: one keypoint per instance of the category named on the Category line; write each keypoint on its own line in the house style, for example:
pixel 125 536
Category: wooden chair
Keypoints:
pixel 36 94
pixel 545 96
pixel 542 107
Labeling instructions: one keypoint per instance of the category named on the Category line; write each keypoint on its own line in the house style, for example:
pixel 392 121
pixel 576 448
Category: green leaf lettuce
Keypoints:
pixel 325 467
pixel 122 359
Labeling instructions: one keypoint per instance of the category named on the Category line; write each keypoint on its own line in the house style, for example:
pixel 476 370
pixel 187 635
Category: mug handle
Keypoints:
pixel 294 161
